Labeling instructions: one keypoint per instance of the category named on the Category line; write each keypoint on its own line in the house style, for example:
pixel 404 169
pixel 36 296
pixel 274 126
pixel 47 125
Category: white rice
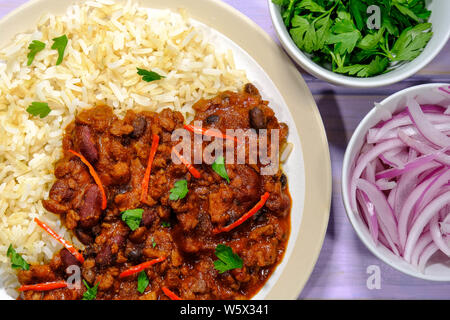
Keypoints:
pixel 107 42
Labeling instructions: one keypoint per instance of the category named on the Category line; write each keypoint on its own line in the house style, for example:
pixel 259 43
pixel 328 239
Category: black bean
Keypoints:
pixel 257 118
pixel 212 119
pixel 283 180
pixel 135 255
pixel 83 237
pixel 139 125
pixel 251 89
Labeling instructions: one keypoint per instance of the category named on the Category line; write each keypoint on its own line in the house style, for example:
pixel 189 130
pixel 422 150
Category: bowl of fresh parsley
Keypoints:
pixel 362 43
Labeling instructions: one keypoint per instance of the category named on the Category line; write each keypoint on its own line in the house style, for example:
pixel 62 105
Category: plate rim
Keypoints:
pixel 310 128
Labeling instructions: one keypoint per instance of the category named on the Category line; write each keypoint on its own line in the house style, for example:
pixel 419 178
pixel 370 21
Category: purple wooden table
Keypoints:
pixel 341 271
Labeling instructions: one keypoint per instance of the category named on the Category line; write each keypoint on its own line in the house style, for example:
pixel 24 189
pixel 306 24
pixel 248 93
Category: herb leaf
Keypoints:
pixel 132 218
pixel 90 293
pixel 411 42
pixel 165 224
pixel 179 191
pixel 39 109
pixel 142 282
pixel 377 66
pixel 35 47
pixel 228 260
pixel 149 76
pixel 219 167
pixel 17 262
pixel 345 36
pixel 60 44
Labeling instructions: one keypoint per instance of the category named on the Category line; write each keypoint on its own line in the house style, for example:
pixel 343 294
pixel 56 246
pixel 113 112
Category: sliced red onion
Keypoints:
pixel 431 191
pixel 375 135
pixel 444 89
pixel 424 126
pixel 383 209
pixel 423 148
pixel 406 211
pixel 369 172
pixel 424 240
pixel 416 163
pixel 430 108
pixel 424 218
pixel 426 108
pixel 395 158
pixel 445 228
pixel 362 164
pixel 405 186
pixel 411 131
pixel 369 215
pixel 445 213
pixel 387 243
pixel 426 255
pixel 437 235
pixel 391 199
pixel 384 184
pixel 430 173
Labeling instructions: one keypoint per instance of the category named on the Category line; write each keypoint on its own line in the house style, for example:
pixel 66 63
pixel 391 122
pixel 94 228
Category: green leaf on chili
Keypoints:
pixel 165 224
pixel 219 167
pixel 142 282
pixel 228 260
pixel 179 191
pixel 132 218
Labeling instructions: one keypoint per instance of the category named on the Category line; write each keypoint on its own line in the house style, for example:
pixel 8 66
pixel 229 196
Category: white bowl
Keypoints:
pixel 441 29
pixel 438 268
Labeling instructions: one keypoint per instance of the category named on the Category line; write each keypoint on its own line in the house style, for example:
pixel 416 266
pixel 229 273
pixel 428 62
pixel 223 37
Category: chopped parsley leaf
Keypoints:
pixel 179 191
pixel 39 109
pixel 228 260
pixel 132 218
pixel 17 262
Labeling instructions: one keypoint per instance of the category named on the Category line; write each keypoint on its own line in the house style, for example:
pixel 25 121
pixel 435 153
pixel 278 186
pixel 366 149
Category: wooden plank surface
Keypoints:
pixel 341 271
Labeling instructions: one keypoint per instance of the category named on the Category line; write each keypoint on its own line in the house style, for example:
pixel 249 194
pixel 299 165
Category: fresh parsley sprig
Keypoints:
pixel 60 45
pixel 133 218
pixel 228 260
pixel 143 282
pixel 179 191
pixel 17 262
pixel 149 76
pixel 40 109
pixel 35 47
pixel 219 167
pixel 90 293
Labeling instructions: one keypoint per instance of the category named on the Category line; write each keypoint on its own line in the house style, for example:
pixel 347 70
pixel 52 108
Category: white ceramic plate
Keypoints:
pixel 308 167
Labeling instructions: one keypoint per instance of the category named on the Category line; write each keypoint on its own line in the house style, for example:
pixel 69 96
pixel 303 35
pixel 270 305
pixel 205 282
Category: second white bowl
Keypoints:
pixel 441 33
pixel 438 268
